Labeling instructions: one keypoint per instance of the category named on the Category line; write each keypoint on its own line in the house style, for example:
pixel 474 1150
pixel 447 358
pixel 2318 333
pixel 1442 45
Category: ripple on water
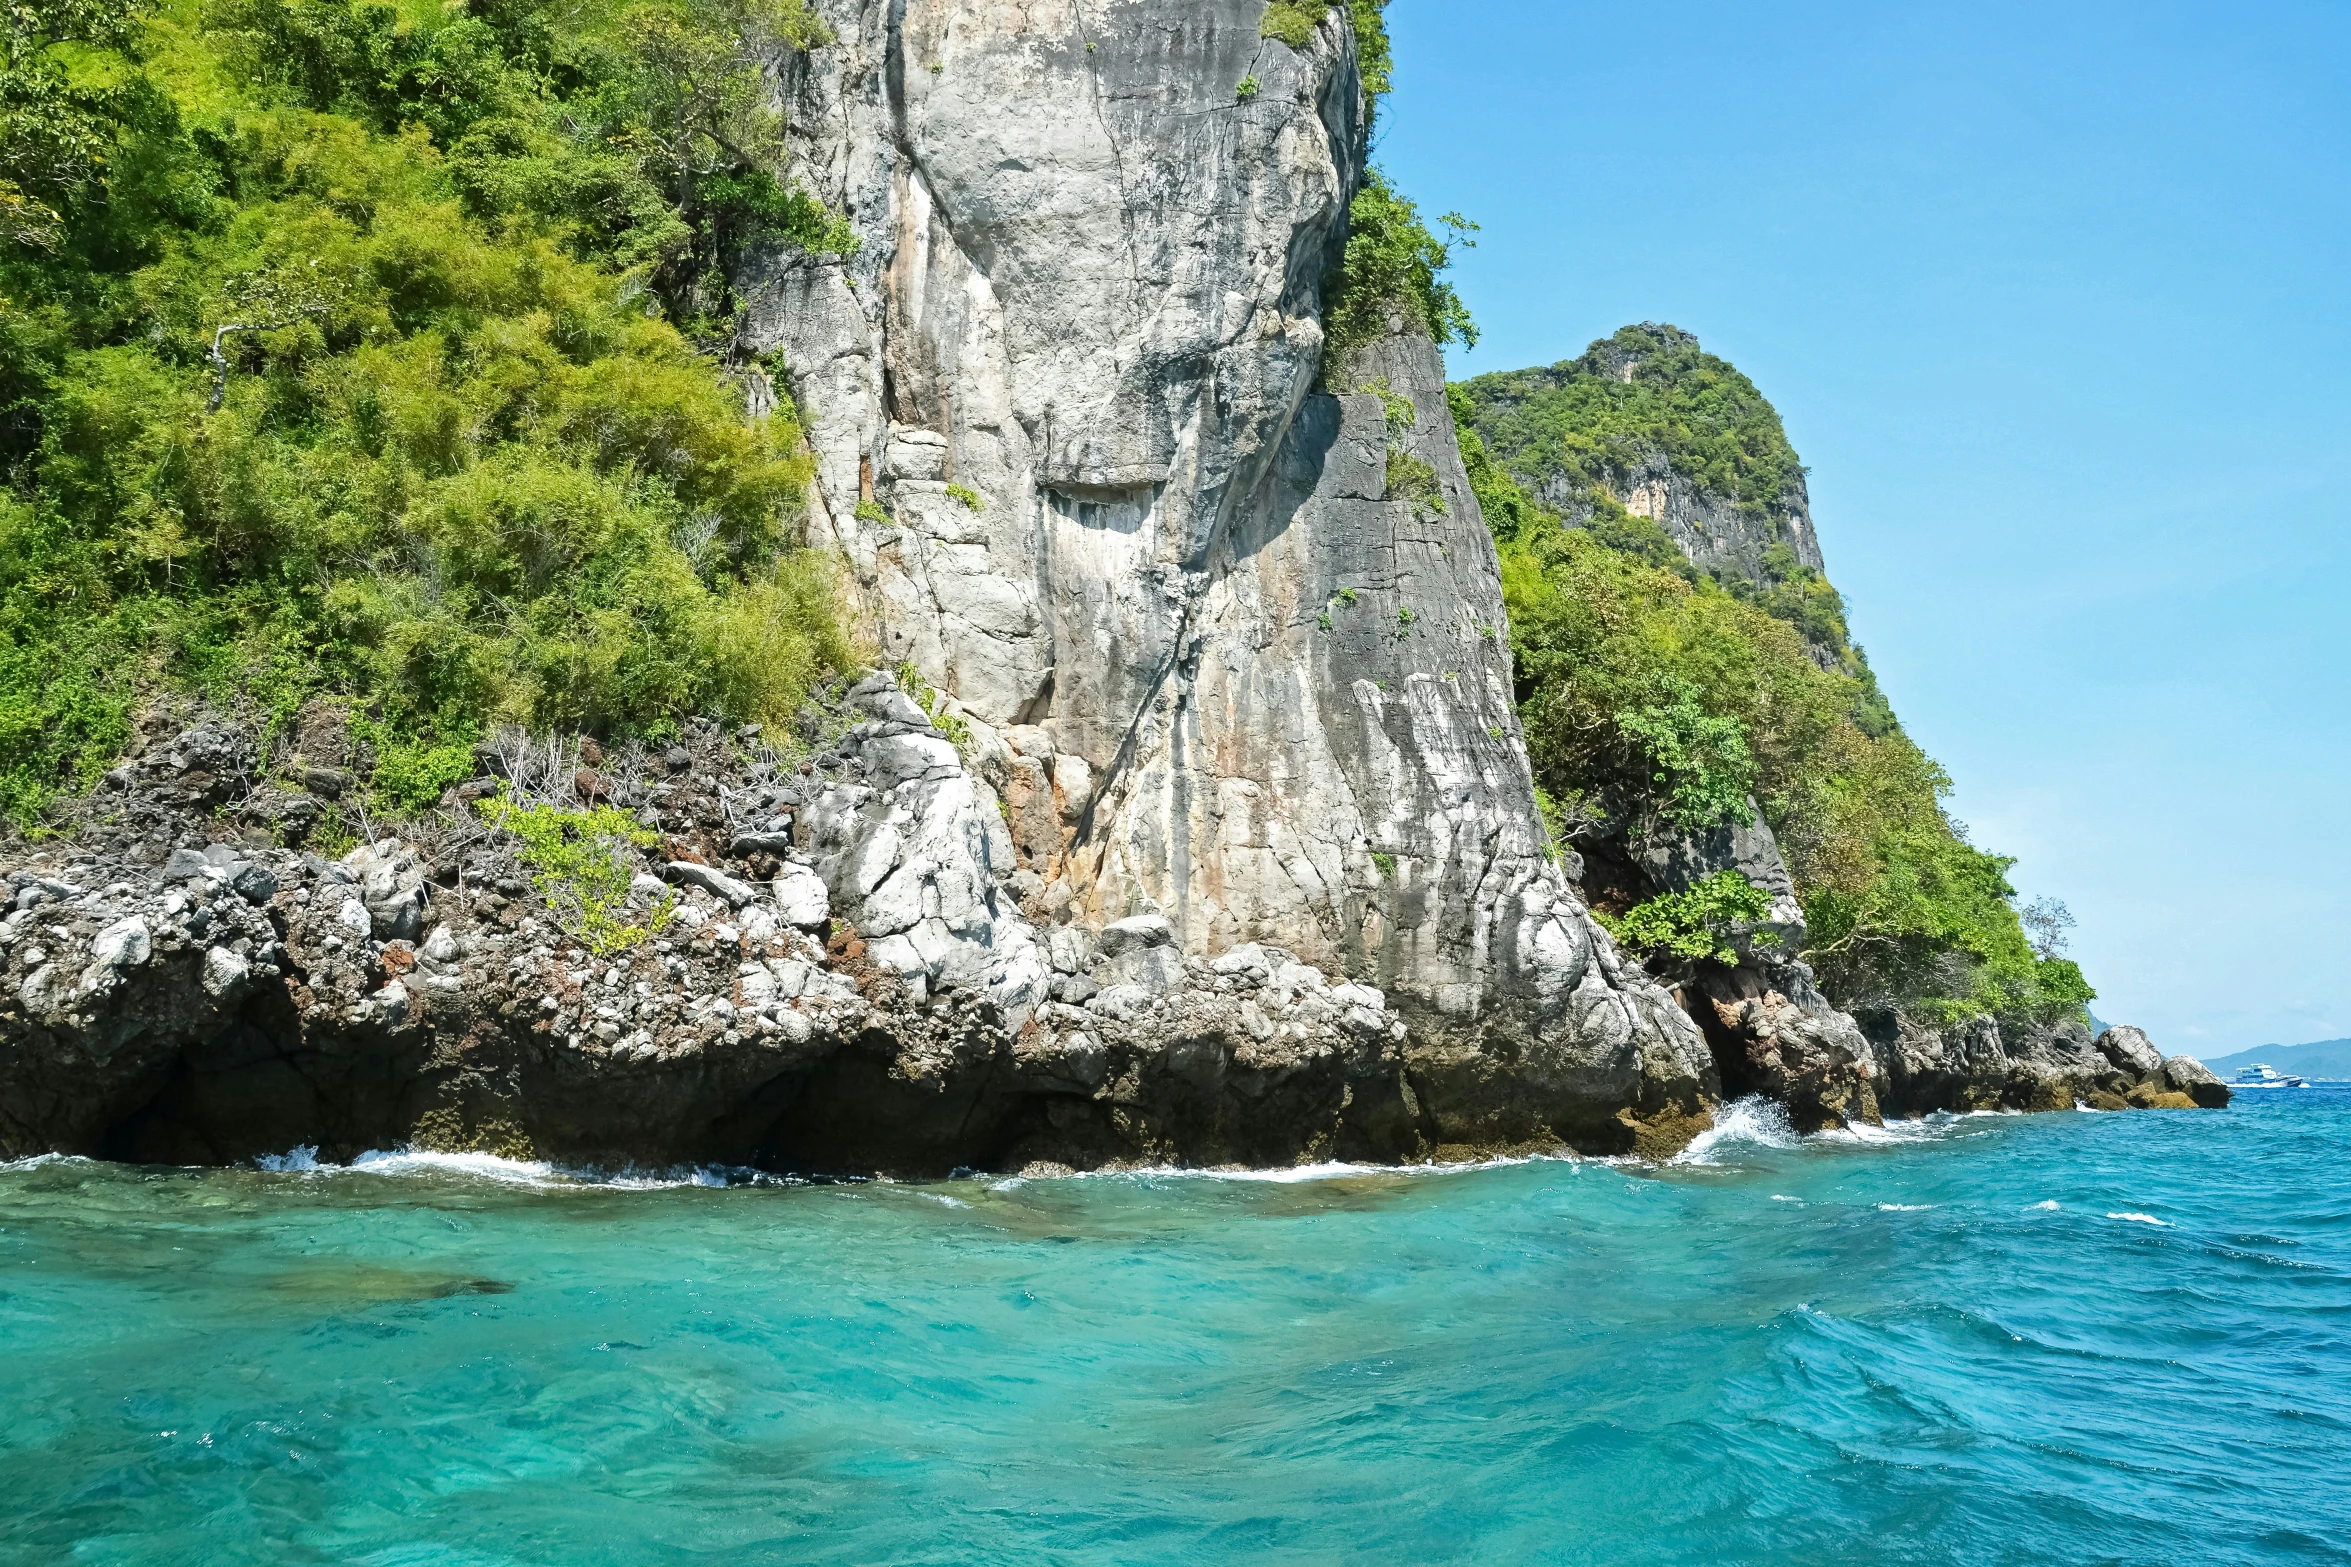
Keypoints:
pixel 1994 1339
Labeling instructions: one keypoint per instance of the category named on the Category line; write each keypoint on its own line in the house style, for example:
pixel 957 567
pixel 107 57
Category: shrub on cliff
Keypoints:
pixel 367 356
pixel 1391 278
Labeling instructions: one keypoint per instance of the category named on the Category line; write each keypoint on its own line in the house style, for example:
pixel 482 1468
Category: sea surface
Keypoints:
pixel 2060 1338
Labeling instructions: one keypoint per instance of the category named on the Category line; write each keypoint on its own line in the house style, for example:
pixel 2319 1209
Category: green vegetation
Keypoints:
pixel 1703 771
pixel 1294 22
pixel 377 351
pixel 1650 692
pixel 1390 274
pixel 1647 389
pixel 1391 278
pixel 581 863
pixel 1412 479
pixel 968 498
pixel 1246 89
pixel 957 732
pixel 1384 863
pixel 1580 430
pixel 1700 922
pixel 410 775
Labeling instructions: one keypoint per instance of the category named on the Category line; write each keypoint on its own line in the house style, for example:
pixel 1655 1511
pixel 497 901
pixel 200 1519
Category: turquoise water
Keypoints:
pixel 2066 1338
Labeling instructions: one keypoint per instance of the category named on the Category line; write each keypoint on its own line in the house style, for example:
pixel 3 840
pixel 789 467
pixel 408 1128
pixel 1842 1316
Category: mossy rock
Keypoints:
pixel 1664 1134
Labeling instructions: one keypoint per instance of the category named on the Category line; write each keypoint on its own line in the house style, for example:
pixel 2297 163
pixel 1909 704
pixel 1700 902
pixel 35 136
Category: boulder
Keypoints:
pixel 2128 1049
pixel 2187 1075
pixel 1136 931
pixel 801 898
pixel 715 882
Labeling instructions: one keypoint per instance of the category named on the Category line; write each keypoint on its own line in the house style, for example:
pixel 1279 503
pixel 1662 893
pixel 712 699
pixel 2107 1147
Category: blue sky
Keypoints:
pixel 2052 299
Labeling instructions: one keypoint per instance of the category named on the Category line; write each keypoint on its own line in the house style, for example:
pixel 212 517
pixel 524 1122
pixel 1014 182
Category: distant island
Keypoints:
pixel 2325 1058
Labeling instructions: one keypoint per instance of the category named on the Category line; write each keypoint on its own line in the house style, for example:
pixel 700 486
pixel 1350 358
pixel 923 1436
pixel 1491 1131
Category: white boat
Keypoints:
pixel 2259 1076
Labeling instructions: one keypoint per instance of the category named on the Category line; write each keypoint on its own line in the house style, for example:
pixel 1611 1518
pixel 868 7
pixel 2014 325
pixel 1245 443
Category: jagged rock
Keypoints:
pixel 1816 1061
pixel 226 973
pixel 2186 1075
pixel 801 897
pixel 1134 933
pixel 2129 1051
pixel 1673 859
pixel 391 889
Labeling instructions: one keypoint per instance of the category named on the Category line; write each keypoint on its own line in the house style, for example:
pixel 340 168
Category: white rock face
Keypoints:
pixel 801 897
pixel 1225 679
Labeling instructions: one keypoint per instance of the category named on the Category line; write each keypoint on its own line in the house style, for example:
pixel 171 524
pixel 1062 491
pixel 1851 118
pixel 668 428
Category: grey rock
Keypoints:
pixel 225 974
pixel 1246 961
pixel 1197 504
pixel 801 897
pixel 124 944
pixel 2189 1076
pixel 2130 1051
pixel 185 865
pixel 1154 968
pixel 1134 933
pixel 1067 947
pixel 254 883
pixel 715 882
pixel 1122 1003
pixel 750 843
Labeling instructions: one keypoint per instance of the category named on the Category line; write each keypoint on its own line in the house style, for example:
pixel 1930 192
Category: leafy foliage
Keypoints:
pixel 581 865
pixel 1702 765
pixel 1701 921
pixel 364 361
pixel 1391 279
pixel 1646 389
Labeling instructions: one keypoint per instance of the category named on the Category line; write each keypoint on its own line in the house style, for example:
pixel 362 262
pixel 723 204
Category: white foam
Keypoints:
pixel 1925 1129
pixel 37 1160
pixel 534 1173
pixel 1782 1197
pixel 1328 1170
pixel 1753 1122
pixel 2140 1218
pixel 1904 1207
pixel 2046 1205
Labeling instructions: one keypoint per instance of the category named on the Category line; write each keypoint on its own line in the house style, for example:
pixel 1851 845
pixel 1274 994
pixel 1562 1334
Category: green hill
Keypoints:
pixel 1670 670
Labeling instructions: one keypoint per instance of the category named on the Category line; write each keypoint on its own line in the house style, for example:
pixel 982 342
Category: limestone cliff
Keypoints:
pixel 1063 408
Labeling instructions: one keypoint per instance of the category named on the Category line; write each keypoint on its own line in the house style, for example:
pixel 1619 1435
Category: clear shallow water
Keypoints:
pixel 2066 1338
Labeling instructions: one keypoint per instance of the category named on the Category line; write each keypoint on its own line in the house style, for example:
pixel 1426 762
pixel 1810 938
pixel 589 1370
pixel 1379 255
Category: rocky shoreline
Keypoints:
pixel 178 988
